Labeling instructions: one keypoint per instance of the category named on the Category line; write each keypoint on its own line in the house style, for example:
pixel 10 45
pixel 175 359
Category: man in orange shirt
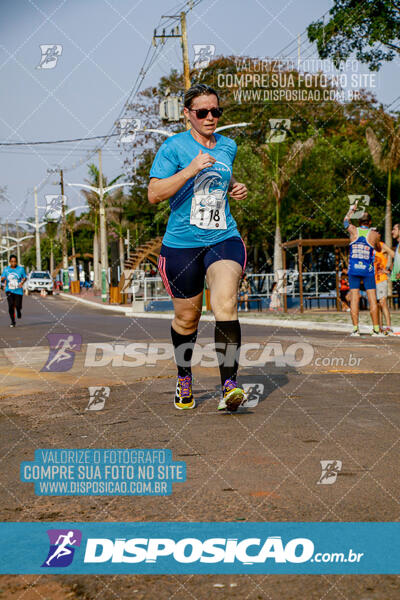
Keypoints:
pixel 381 278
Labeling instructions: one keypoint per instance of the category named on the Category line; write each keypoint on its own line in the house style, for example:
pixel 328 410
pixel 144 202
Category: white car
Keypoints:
pixel 39 280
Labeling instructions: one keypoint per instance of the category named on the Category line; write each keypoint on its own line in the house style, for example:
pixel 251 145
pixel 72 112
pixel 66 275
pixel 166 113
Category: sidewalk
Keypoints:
pixel 311 320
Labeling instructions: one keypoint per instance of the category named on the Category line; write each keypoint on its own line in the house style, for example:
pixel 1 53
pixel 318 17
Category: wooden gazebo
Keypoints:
pixel 300 244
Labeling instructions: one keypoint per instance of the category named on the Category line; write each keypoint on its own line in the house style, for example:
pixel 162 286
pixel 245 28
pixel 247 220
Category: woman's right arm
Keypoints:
pixel 161 189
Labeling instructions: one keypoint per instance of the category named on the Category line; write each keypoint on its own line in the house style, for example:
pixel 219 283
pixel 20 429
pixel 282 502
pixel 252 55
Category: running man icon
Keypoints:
pixel 61 551
pixel 50 55
pixel 62 351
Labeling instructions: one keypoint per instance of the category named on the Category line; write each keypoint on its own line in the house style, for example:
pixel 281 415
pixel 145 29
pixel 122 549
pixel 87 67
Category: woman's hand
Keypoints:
pixel 238 191
pixel 202 161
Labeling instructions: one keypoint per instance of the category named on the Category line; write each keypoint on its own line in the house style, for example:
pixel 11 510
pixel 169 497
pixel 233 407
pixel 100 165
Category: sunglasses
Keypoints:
pixel 202 113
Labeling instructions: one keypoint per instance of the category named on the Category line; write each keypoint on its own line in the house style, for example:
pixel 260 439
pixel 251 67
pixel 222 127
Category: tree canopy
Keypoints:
pixel 370 29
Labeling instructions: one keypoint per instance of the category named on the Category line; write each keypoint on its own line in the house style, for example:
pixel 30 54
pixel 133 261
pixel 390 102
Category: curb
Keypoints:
pixel 285 323
pixel 93 304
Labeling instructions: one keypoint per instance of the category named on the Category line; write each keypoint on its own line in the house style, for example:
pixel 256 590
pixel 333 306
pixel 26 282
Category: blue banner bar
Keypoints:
pixel 200 548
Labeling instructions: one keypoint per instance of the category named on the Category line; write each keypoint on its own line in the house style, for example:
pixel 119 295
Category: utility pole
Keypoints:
pixel 103 235
pixel 185 57
pixel 38 255
pixel 184 43
pixel 185 52
pixel 64 241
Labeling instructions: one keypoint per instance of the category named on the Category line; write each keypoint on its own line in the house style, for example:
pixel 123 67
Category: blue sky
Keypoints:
pixel 104 45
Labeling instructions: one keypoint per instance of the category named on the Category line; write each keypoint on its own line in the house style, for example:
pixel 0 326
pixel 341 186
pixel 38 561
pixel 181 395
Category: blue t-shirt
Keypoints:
pixel 210 187
pixel 14 278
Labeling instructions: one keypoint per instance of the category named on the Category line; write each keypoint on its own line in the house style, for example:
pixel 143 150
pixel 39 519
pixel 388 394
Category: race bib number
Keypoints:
pixel 13 284
pixel 208 212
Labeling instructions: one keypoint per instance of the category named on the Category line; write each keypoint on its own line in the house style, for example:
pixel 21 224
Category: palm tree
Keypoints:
pixel 279 169
pixel 386 157
pixel 116 203
pixel 93 201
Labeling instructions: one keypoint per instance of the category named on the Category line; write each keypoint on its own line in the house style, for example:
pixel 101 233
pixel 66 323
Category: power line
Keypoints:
pixel 95 137
pixel 146 67
pixel 295 41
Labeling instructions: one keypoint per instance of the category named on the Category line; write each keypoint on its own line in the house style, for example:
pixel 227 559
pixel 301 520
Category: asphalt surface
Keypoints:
pixel 53 314
pixel 260 464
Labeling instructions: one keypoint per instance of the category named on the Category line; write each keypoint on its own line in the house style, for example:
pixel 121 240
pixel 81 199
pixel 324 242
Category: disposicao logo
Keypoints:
pixel 191 550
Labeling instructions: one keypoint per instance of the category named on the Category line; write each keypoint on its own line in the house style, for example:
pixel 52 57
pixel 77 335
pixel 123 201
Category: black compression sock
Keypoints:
pixel 183 349
pixel 227 342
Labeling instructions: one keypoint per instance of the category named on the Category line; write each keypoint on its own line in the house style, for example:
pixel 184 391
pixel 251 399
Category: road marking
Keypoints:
pixel 110 337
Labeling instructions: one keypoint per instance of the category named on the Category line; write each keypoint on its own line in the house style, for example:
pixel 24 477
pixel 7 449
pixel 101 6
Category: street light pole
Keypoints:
pixel 100 191
pixel 18 248
pixel 2 250
pixel 18 241
pixel 38 255
pixel 8 243
pixel 103 235
pixel 64 236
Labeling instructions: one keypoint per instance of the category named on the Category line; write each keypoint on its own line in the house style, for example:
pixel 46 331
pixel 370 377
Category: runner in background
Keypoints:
pixel 275 301
pixel 363 242
pixel 15 277
pixel 244 291
pixel 344 290
pixel 381 279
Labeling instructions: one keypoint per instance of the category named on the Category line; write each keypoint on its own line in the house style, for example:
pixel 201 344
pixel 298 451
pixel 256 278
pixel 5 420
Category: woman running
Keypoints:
pixel 194 170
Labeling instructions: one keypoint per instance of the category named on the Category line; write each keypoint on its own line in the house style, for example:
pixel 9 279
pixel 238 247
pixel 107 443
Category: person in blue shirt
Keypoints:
pixel 193 169
pixel 14 276
pixel 363 242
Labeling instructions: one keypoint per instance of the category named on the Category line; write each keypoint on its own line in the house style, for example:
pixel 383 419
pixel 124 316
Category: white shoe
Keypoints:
pixel 355 333
pixel 222 403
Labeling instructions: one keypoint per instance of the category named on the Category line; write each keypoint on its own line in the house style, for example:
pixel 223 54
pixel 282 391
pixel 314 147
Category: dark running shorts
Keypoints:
pixel 183 269
pixel 368 280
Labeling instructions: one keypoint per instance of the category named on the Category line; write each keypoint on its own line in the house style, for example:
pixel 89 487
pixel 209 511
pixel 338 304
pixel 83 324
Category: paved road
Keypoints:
pixel 42 316
pixel 260 464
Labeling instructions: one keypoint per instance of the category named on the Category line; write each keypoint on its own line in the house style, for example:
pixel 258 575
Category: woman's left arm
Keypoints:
pixel 237 191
